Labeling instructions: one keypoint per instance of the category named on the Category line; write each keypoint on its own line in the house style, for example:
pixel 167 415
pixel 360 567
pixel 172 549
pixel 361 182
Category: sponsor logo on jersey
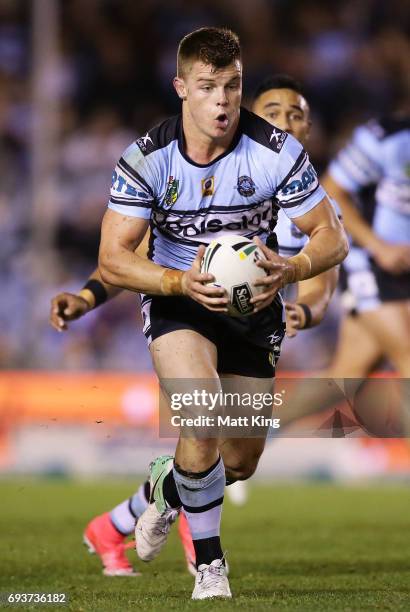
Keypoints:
pixel 245 186
pixel 171 194
pixel 212 223
pixel 277 139
pixel 208 186
pixel 241 296
pixel 121 185
pixel 144 141
pixel 308 177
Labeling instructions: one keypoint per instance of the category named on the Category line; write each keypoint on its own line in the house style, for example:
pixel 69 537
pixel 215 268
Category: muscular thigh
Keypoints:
pixel 245 451
pixel 185 362
pixel 184 354
pixel 390 326
pixel 358 350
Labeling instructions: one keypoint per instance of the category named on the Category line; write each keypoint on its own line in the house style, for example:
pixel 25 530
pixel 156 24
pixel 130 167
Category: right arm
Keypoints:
pixel 120 265
pixel 359 164
pixel 67 307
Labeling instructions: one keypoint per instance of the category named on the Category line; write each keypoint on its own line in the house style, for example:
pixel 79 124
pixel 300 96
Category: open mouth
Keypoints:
pixel 222 120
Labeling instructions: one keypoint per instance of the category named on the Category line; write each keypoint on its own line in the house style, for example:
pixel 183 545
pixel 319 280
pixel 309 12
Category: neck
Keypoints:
pixel 199 147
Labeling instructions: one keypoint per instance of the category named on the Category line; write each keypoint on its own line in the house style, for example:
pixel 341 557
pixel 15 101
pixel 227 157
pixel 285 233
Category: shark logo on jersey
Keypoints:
pixel 143 142
pixel 171 194
pixel 245 186
pixel 277 139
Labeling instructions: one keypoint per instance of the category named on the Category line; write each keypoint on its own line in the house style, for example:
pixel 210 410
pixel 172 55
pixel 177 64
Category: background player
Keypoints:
pixel 378 265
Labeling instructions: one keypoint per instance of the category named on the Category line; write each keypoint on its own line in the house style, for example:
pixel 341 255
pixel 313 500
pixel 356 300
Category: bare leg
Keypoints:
pixel 185 354
pixel 389 325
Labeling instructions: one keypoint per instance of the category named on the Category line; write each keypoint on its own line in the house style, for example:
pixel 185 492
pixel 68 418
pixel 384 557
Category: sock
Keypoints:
pixel 201 495
pixel 169 488
pixel 230 481
pixel 124 515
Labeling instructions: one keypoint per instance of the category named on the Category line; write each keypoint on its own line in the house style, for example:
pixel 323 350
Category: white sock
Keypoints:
pixel 125 514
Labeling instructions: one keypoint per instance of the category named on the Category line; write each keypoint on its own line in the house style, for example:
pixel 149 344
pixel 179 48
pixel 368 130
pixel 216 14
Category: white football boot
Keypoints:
pixel 153 526
pixel 211 581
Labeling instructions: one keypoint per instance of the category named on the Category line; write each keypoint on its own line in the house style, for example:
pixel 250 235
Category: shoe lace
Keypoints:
pixel 209 574
pixel 168 517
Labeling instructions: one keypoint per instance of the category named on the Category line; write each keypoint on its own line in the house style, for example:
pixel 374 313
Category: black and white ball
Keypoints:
pixel 232 261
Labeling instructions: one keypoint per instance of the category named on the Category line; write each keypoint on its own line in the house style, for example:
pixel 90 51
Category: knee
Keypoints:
pixel 241 469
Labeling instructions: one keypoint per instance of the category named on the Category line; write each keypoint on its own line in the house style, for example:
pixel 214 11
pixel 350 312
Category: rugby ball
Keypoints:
pixel 232 261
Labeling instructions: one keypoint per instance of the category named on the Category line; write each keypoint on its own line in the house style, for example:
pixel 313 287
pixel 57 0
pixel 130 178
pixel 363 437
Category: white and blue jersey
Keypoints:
pixel 377 154
pixel 189 204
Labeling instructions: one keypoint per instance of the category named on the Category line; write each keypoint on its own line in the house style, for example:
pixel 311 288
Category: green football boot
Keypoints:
pixel 153 526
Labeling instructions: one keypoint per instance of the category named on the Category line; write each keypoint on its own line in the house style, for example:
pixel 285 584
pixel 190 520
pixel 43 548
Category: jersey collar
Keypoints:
pixel 181 146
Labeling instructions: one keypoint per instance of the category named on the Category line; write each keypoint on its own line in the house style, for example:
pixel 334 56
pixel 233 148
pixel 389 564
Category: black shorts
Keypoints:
pixel 365 286
pixel 248 346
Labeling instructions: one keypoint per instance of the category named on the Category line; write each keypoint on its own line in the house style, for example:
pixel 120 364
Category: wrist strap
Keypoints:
pixel 308 315
pixel 299 269
pixel 171 282
pixel 97 291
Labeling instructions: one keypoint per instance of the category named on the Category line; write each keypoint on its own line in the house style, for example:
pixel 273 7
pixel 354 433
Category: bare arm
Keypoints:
pixel 353 221
pixel 316 294
pixel 66 307
pixel 118 262
pixel 121 265
pixel 395 258
pixel 327 244
pixel 326 248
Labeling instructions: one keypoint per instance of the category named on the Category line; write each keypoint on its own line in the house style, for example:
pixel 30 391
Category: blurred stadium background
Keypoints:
pixel 78 82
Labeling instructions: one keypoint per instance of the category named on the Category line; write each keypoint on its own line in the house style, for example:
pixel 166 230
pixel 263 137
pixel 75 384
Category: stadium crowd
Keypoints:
pixel 116 61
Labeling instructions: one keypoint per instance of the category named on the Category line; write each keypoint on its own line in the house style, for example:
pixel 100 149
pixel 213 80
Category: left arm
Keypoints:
pixel 326 248
pixel 315 293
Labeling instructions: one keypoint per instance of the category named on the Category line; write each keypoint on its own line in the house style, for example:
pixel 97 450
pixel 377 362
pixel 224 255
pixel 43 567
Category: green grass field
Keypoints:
pixel 293 547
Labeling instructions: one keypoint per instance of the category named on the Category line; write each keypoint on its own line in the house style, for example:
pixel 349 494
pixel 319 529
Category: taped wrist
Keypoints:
pixel 171 282
pixel 300 269
pixel 94 293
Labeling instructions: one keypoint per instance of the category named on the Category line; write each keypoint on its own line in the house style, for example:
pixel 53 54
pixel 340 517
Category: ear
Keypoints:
pixel 180 87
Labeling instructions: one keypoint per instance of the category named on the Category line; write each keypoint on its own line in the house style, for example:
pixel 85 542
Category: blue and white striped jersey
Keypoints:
pixel 379 154
pixel 189 204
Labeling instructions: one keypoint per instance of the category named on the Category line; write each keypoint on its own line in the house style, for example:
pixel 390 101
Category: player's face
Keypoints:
pixel 286 109
pixel 212 97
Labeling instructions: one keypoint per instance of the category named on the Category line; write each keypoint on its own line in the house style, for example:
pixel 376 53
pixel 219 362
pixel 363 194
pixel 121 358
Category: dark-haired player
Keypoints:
pixel 160 182
pixel 280 100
